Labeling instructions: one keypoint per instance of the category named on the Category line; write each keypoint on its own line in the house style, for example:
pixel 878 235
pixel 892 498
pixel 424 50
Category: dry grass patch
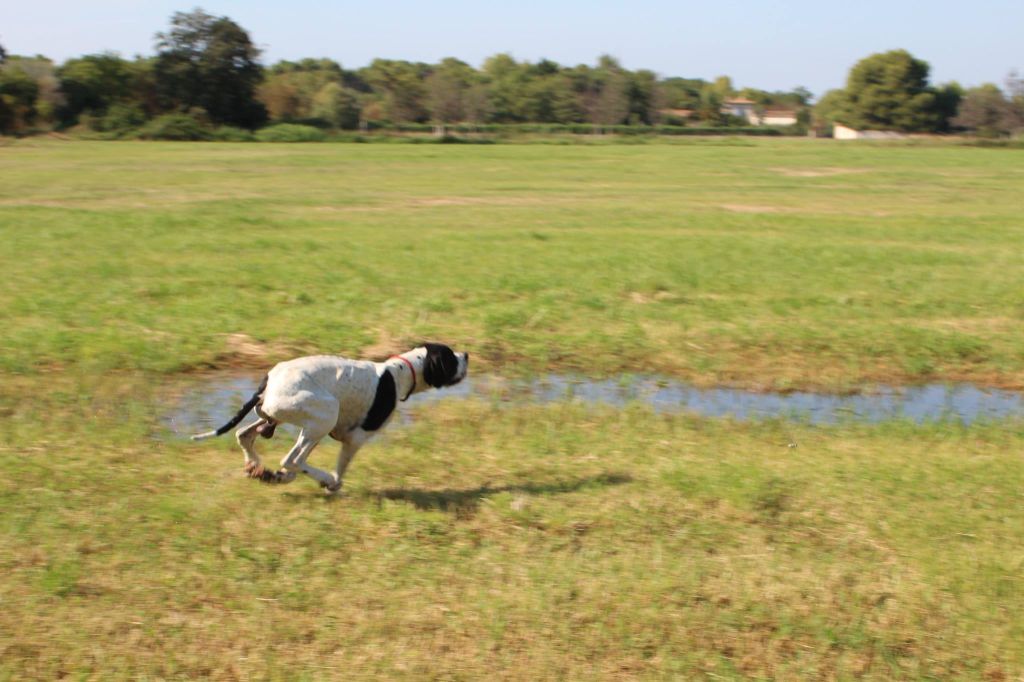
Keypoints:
pixel 818 172
pixel 747 208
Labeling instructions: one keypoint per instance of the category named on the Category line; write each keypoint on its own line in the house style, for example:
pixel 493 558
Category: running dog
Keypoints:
pixel 328 395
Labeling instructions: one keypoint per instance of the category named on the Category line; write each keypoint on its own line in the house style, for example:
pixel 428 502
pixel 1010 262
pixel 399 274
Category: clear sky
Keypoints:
pixel 767 44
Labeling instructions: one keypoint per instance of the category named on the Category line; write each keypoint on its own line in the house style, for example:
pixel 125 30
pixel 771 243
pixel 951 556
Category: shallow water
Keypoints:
pixel 212 400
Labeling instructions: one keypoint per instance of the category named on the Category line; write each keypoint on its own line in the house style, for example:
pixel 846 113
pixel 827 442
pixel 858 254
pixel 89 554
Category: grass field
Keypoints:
pixel 512 541
pixel 763 262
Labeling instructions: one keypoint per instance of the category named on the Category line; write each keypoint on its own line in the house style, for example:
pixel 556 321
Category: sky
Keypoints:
pixel 773 45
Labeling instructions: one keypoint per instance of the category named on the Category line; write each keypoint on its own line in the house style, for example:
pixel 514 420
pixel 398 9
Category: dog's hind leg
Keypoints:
pixel 290 465
pixel 246 437
pixel 295 461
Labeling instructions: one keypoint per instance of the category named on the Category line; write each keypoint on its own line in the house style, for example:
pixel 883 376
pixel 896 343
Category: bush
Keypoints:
pixel 232 134
pixel 312 121
pixel 120 117
pixel 175 127
pixel 290 132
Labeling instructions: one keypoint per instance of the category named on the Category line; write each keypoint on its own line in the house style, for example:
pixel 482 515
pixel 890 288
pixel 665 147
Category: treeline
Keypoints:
pixel 206 76
pixel 206 69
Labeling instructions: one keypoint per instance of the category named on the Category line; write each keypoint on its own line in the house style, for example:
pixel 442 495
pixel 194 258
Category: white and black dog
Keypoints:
pixel 349 400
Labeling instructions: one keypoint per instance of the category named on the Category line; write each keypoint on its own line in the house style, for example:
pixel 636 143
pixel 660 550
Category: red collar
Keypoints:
pixel 411 369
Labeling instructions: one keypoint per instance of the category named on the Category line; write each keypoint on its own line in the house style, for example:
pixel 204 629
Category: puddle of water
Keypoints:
pixel 211 401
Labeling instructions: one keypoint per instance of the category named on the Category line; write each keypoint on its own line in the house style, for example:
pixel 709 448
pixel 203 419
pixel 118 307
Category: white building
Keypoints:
pixel 841 132
pixel 741 107
pixel 744 108
pixel 778 117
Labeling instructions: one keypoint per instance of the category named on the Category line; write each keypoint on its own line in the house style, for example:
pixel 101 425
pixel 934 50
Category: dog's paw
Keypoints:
pixel 331 488
pixel 284 476
pixel 264 475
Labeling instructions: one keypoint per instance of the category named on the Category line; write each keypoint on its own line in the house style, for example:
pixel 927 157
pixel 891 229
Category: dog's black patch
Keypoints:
pixel 440 366
pixel 383 403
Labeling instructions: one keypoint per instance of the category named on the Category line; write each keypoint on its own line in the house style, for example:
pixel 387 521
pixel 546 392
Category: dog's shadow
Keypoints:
pixel 466 502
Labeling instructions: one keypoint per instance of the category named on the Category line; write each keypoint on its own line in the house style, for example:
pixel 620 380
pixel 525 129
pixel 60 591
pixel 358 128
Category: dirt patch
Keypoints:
pixel 816 172
pixel 972 325
pixel 479 201
pixel 447 201
pixel 642 298
pixel 385 346
pixel 246 346
pixel 749 208
pixel 338 209
pixel 424 202
pixel 242 350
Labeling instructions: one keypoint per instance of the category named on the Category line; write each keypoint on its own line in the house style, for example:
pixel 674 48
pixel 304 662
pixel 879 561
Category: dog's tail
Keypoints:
pixel 246 408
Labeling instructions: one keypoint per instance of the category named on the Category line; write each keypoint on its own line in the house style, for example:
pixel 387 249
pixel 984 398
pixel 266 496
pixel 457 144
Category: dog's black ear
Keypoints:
pixel 440 366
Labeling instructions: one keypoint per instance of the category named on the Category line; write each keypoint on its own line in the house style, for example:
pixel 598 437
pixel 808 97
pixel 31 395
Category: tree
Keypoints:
pixel 610 102
pixel 92 83
pixel 890 91
pixel 282 98
pixel 947 103
pixel 209 62
pixel 1015 94
pixel 986 111
pixel 829 110
pixel 447 88
pixel 507 82
pixel 6 114
pixel 550 98
pixel 337 105
pixel 18 93
pixel 709 106
pixel 802 95
pixel 401 85
pixel 143 89
pixel 793 99
pixel 29 93
pixel 477 104
pixel 645 97
pixel 681 93
pixel 722 88
pixel 48 96
pixel 290 89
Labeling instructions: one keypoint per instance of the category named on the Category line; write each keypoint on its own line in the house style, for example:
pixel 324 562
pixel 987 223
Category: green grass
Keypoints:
pixel 502 541
pixel 759 262
pixel 513 543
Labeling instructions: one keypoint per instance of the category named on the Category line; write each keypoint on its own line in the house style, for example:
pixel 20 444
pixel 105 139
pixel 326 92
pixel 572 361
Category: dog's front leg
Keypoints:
pixel 295 461
pixel 349 447
pixel 325 479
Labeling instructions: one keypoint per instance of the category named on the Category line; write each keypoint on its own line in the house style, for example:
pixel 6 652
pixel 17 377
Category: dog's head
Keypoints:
pixel 442 366
pixel 433 365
